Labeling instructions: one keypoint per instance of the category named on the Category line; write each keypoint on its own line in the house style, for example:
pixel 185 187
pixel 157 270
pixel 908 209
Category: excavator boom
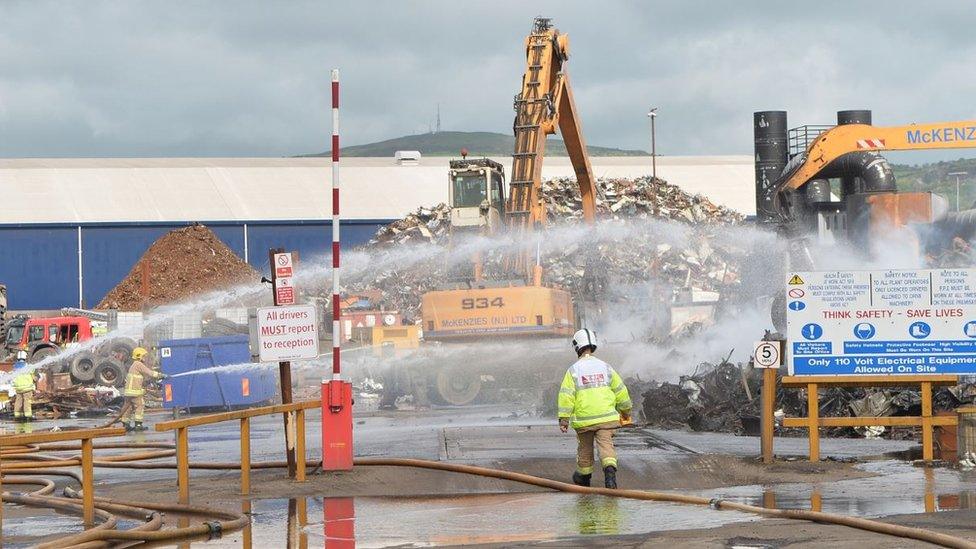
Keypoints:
pixel 545 103
pixel 840 140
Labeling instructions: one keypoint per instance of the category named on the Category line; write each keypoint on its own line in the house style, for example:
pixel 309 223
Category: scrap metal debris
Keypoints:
pixel 651 230
pixel 717 397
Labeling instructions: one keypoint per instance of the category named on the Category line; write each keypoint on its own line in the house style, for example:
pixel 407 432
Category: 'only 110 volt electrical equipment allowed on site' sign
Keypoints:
pixel 906 322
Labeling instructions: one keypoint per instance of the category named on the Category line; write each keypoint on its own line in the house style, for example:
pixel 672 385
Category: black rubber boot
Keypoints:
pixel 610 476
pixel 128 426
pixel 28 418
pixel 140 427
pixel 580 479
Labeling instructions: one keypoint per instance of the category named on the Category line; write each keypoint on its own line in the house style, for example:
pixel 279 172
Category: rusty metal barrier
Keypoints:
pixel 813 421
pixel 85 436
pixel 295 413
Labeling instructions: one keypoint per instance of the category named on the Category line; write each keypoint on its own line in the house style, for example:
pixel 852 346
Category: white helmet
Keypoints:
pixel 21 355
pixel 582 339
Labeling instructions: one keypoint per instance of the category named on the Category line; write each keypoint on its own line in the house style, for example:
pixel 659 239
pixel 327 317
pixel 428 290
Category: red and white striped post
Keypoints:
pixel 336 394
pixel 336 339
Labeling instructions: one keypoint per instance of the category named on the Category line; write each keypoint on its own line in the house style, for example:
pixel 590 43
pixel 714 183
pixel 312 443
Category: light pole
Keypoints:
pixel 652 114
pixel 957 174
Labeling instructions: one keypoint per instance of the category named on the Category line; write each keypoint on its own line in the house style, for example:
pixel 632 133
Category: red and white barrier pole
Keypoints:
pixel 336 394
pixel 336 339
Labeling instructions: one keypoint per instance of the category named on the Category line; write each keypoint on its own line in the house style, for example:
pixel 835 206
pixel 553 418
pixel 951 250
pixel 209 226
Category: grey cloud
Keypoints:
pixel 251 78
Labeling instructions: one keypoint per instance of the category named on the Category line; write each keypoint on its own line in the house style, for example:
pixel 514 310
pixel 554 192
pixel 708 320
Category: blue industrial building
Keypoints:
pixel 72 229
pixel 39 263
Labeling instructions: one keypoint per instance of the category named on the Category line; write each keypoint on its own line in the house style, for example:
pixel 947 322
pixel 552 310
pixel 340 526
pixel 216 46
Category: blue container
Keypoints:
pixel 227 389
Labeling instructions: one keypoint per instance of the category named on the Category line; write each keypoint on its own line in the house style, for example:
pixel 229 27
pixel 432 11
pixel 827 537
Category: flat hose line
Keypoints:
pixel 875 526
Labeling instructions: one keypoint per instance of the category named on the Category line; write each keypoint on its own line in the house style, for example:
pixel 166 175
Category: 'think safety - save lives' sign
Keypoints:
pixel 287 333
pixel 881 322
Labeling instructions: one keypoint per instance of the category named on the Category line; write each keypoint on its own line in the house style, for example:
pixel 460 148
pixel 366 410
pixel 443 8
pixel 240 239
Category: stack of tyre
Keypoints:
pixel 106 365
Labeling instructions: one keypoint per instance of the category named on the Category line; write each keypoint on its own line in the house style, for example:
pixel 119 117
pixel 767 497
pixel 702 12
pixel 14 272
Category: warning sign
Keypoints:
pixel 796 280
pixel 284 291
pixel 283 265
pixel 906 322
pixel 287 333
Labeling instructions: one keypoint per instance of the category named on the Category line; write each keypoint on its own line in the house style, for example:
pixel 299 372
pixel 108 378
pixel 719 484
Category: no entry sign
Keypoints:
pixel 288 333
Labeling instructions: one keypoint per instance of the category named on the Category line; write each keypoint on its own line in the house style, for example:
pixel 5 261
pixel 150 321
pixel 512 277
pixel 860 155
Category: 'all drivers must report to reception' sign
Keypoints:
pixel 905 322
pixel 287 333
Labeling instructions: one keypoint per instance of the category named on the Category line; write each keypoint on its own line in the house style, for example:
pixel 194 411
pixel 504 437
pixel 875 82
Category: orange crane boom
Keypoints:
pixel 544 103
pixel 840 140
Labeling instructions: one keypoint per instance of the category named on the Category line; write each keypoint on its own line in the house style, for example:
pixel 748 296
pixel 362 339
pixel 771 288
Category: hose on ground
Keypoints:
pixel 236 521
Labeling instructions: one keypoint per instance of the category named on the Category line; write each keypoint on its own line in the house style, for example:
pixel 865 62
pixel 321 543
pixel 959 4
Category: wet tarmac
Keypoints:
pixel 483 435
pixel 423 522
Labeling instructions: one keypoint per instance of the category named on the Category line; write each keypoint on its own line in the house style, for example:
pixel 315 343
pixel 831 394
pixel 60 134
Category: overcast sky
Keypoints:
pixel 242 78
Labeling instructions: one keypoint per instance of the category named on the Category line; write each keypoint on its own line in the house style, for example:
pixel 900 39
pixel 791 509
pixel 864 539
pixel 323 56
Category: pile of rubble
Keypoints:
pixel 72 401
pixel 182 263
pixel 641 197
pixel 725 397
pixel 721 397
pixel 651 230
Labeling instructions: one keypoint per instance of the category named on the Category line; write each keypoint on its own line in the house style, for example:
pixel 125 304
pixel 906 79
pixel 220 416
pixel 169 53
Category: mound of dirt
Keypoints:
pixel 182 263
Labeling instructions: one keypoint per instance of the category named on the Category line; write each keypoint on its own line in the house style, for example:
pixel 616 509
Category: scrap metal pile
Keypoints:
pixel 724 397
pixel 52 402
pixel 182 263
pixel 649 230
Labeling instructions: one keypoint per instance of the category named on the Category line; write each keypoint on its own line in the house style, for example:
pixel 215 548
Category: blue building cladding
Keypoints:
pixel 39 266
pixel 39 263
pixel 111 251
pixel 310 240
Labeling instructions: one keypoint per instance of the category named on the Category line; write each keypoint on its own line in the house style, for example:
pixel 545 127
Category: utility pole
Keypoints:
pixel 957 174
pixel 652 114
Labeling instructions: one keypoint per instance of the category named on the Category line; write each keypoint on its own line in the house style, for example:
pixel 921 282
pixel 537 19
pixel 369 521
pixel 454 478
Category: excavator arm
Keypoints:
pixel 544 103
pixel 840 140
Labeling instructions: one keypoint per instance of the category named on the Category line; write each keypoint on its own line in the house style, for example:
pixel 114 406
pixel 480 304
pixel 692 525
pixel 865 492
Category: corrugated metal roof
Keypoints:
pixel 85 190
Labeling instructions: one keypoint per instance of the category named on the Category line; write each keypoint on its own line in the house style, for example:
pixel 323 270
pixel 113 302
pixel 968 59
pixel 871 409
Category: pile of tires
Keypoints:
pixel 109 361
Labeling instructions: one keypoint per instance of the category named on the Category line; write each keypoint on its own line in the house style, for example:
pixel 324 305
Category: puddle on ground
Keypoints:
pixel 434 521
pixel 899 488
pixel 508 518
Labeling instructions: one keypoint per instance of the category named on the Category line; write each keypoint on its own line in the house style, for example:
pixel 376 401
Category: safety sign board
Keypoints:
pixel 766 354
pixel 287 333
pixel 284 291
pixel 283 272
pixel 283 264
pixel 906 322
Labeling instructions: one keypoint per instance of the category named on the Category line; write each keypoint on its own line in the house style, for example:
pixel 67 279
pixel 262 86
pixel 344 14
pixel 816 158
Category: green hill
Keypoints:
pixel 477 143
pixel 935 177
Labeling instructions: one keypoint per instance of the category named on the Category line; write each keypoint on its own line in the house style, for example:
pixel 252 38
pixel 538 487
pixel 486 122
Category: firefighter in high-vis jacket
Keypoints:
pixel 24 387
pixel 135 404
pixel 594 401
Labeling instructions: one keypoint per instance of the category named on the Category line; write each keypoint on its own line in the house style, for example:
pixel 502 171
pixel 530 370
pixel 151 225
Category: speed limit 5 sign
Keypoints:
pixel 767 354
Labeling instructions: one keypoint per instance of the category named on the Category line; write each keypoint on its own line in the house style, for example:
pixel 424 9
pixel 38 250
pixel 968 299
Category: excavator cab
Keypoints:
pixel 476 190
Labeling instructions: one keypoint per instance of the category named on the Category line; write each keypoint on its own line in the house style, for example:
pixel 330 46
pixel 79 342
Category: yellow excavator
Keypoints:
pixel 519 302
